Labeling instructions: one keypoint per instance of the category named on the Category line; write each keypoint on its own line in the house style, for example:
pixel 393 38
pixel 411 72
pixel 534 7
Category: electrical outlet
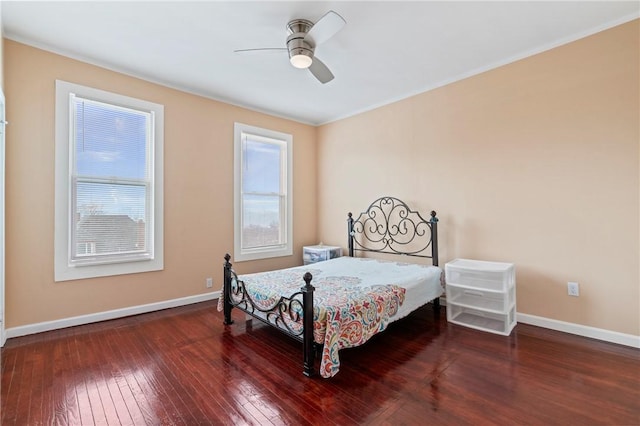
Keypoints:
pixel 209 282
pixel 573 289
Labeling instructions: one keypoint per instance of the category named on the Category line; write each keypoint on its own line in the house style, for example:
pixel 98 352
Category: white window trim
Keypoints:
pixel 64 269
pixel 263 253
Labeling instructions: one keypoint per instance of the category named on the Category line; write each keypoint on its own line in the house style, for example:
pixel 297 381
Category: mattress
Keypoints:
pixel 421 282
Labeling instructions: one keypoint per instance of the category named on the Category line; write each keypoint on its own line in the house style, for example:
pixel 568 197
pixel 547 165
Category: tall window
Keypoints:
pixel 108 183
pixel 262 183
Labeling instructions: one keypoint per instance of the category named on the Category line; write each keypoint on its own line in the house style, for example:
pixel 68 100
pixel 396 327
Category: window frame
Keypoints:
pixel 286 175
pixel 64 267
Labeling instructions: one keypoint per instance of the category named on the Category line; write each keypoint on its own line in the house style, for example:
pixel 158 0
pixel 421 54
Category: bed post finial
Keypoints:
pixel 226 290
pixel 307 320
pixel 307 277
pixel 350 235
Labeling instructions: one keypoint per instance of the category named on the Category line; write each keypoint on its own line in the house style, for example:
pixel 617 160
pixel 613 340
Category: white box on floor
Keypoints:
pixel 481 295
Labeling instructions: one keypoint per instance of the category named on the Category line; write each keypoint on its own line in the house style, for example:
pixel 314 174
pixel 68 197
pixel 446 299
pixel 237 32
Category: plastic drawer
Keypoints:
pixel 493 301
pixel 496 276
pixel 482 320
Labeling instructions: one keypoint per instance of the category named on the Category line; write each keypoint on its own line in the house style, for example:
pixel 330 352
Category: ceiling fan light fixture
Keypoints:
pixel 301 61
pixel 303 38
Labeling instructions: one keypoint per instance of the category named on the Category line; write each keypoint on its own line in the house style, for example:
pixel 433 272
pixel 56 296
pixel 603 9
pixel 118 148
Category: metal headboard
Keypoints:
pixel 390 226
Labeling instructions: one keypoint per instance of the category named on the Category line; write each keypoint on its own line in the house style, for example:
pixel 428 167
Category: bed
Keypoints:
pixel 342 302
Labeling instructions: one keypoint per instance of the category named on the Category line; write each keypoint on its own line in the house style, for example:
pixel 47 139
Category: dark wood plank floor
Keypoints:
pixel 183 367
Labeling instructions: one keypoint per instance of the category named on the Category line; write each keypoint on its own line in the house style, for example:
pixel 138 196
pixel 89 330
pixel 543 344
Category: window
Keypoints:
pixel 108 197
pixel 262 193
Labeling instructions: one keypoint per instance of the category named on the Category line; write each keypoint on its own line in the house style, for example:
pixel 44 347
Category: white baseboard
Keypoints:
pixel 581 330
pixel 25 330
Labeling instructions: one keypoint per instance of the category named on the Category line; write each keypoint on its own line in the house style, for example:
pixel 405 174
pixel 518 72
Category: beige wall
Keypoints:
pixel 198 195
pixel 534 163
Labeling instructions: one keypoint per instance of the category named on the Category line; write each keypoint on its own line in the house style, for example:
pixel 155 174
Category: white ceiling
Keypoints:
pixel 386 52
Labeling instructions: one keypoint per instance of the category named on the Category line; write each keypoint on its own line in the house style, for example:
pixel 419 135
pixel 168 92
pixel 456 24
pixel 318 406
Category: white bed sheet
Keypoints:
pixel 422 282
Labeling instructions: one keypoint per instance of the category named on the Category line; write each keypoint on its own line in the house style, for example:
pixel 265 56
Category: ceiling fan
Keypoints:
pixel 303 38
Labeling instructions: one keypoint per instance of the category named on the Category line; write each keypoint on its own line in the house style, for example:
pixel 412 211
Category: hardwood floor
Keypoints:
pixel 183 366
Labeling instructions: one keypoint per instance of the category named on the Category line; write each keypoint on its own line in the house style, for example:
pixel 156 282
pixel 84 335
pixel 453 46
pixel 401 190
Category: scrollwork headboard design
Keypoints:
pixel 390 226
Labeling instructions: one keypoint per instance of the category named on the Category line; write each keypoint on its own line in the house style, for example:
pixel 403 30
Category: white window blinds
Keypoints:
pixel 264 178
pixel 111 182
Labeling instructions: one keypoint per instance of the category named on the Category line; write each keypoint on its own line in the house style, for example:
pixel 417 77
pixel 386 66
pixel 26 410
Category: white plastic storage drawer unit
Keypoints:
pixel 319 253
pixel 481 295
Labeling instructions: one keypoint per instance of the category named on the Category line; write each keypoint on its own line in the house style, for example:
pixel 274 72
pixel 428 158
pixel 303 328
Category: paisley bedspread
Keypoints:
pixel 352 300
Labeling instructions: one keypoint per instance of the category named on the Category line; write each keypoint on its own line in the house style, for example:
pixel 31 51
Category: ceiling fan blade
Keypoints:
pixel 262 50
pixel 320 71
pixel 325 28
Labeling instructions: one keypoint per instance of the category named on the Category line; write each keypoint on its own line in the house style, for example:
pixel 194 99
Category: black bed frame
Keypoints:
pixel 387 226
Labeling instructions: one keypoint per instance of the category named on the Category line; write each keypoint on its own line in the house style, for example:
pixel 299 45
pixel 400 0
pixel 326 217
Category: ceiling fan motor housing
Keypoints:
pixel 298 29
